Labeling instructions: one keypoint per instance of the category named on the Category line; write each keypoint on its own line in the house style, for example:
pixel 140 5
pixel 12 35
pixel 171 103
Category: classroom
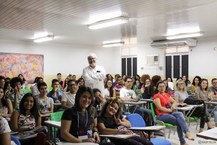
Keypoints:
pixel 170 39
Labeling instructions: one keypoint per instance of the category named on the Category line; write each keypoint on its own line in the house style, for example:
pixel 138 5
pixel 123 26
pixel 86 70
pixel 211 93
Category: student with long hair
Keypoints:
pixel 27 118
pixel 181 95
pixel 164 107
pixel 6 107
pixel 79 123
pixel 111 121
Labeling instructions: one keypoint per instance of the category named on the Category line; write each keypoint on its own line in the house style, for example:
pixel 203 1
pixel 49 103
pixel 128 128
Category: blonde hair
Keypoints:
pixel 178 88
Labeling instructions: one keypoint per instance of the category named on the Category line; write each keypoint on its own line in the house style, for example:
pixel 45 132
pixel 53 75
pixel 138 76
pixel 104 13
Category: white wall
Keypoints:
pixel 203 59
pixel 143 51
pixel 65 58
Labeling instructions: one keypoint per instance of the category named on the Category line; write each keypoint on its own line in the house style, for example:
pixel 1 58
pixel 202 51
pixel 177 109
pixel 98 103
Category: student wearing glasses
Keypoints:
pixel 68 98
pixel 164 107
pixel 127 94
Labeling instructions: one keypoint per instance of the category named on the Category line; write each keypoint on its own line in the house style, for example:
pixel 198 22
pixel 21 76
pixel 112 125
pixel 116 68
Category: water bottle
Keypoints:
pixel 90 133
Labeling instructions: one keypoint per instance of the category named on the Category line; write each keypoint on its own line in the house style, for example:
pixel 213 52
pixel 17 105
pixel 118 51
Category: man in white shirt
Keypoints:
pixel 93 74
pixel 127 94
pixel 68 98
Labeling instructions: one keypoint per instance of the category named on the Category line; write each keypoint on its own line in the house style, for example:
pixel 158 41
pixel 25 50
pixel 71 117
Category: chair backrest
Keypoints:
pixel 152 110
pixel 136 120
pixel 56 116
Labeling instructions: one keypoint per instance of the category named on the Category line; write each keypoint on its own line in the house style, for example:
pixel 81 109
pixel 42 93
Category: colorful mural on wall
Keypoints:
pixel 30 65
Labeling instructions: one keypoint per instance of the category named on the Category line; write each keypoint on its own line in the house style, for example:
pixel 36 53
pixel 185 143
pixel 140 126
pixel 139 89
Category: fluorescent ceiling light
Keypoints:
pixel 183 28
pixel 113 44
pixel 108 23
pixel 103 15
pixel 42 37
pixel 179 36
pixel 112 41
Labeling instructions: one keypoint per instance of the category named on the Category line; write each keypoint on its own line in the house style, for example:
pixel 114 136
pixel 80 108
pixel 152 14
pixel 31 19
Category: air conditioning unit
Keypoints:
pixel 179 42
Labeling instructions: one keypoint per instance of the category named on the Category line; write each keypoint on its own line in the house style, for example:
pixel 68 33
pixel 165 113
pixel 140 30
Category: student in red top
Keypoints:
pixel 165 105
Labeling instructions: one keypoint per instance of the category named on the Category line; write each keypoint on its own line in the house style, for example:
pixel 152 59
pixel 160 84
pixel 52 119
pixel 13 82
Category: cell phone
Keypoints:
pixel 98 71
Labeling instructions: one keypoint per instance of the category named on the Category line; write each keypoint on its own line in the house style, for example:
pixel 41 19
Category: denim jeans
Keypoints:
pixel 214 111
pixel 177 119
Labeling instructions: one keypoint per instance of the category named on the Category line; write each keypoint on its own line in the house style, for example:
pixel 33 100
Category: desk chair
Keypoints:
pixel 56 116
pixel 137 121
pixel 158 122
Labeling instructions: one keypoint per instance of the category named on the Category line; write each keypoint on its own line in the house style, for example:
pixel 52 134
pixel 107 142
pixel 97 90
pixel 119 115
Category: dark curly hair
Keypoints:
pixel 14 81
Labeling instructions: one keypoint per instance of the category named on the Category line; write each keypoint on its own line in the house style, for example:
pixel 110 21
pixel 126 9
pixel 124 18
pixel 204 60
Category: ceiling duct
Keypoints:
pixel 179 42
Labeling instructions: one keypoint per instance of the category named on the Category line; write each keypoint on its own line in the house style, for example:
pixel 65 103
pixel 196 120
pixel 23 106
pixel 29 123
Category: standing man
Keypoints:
pixel 93 74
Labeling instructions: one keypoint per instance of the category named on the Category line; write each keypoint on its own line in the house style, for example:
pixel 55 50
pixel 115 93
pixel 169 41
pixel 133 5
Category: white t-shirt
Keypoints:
pixel 4 127
pixel 45 104
pixel 69 99
pixel 127 93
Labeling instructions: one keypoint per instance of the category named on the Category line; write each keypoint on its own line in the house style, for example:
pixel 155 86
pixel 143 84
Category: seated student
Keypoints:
pixel 34 87
pixel 80 82
pixel 180 97
pixel 17 93
pixel 213 96
pixel 202 94
pixel 127 94
pixel 78 123
pixel 7 90
pixel 68 98
pixel 98 100
pixel 111 121
pixel 45 103
pixel 109 90
pixel 25 83
pixel 147 89
pixel 28 119
pixel 164 107
pixel 118 85
pixel 6 107
pixel 5 132
pixel 56 93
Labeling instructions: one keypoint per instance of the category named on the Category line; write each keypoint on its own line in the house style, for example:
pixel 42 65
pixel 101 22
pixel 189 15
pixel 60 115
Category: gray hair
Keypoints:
pixel 92 55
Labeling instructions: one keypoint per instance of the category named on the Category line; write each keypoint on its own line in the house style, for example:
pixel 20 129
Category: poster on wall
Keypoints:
pixel 30 65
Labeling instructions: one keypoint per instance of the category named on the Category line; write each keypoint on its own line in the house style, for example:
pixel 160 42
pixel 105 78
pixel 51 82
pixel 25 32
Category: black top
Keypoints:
pixel 85 119
pixel 109 122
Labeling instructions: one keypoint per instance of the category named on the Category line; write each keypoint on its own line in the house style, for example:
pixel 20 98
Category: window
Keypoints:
pixel 176 65
pixel 129 66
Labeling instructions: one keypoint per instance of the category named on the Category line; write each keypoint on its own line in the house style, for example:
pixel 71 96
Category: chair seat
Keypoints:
pixel 169 125
pixel 160 141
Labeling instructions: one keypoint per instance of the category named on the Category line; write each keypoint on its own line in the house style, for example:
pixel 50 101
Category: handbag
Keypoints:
pixel 191 100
